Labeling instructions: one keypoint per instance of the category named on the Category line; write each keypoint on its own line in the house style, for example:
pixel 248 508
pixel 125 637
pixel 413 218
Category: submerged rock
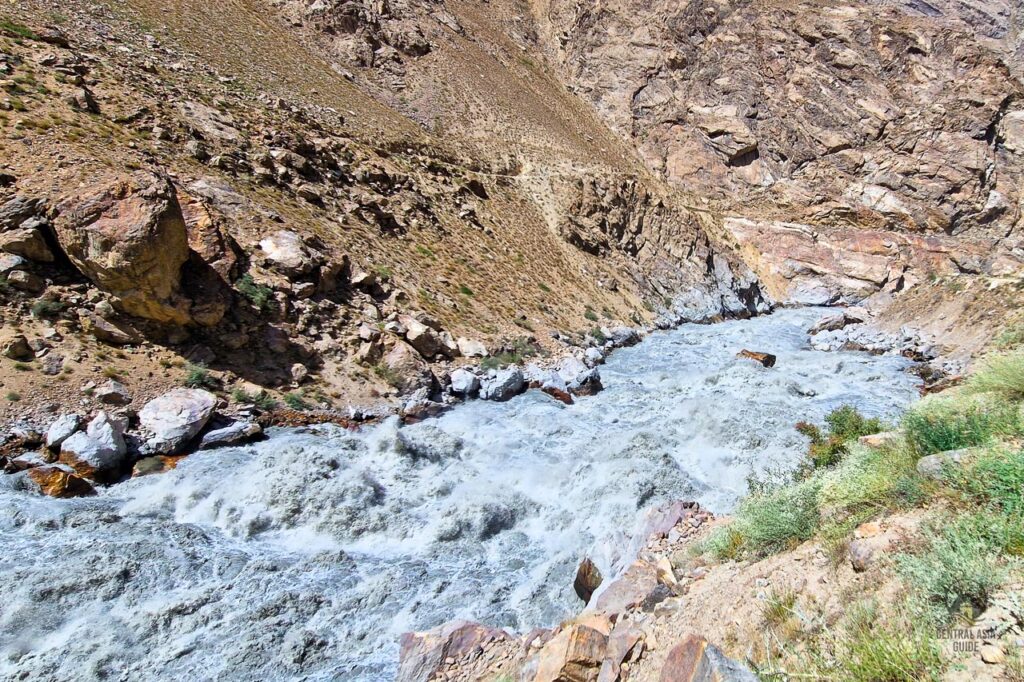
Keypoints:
pixel 56 481
pixel 232 434
pixel 766 359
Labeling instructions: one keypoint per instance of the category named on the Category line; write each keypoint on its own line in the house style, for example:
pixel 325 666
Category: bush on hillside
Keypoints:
pixel 941 425
pixel 1002 375
pixel 845 424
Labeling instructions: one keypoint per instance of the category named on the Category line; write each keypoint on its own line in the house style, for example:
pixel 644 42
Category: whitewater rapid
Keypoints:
pixel 307 555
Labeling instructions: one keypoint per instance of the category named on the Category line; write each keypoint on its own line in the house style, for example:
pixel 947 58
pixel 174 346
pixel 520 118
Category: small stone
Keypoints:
pixel 992 654
pixel 113 393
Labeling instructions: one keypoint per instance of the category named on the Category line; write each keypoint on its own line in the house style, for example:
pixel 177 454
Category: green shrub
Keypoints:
pixel 296 401
pixel 384 273
pixel 772 522
pixel 590 314
pixel 845 424
pixel 1000 374
pixel 544 287
pixel 22 367
pixel 941 425
pixel 13 397
pixel 995 479
pixel 258 294
pixel 388 375
pixel 198 376
pixel 869 649
pixel 598 335
pixel 960 568
pixel 466 291
pixel 870 480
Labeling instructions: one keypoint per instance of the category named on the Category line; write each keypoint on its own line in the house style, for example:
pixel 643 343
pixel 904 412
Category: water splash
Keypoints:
pixel 304 557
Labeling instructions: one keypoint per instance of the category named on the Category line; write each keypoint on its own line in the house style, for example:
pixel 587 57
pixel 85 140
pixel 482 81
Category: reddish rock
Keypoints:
pixel 423 654
pixel 60 483
pixel 558 394
pixel 696 660
pixel 626 644
pixel 128 236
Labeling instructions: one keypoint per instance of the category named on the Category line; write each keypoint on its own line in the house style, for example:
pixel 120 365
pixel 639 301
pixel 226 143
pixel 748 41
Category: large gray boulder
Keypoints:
pixel 285 252
pixel 98 453
pixel 406 370
pixel 465 383
pixel 232 434
pixel 63 428
pixel 175 418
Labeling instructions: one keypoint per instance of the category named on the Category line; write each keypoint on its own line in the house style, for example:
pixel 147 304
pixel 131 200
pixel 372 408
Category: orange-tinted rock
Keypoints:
pixel 57 482
pixel 637 588
pixel 558 394
pixel 156 465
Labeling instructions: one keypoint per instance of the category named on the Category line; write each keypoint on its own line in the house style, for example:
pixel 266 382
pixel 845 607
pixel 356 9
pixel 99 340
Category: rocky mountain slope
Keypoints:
pixel 261 188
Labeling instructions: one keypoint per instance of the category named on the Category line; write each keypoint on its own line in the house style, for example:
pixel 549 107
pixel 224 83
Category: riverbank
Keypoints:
pixel 888 556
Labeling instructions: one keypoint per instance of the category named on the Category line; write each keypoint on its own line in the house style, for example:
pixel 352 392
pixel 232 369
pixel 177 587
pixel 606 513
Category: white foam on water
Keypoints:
pixel 306 556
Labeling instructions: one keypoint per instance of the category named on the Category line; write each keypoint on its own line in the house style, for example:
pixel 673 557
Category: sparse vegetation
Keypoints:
pixel 197 375
pixel 387 375
pixel 23 367
pixel 16 30
pixel 258 294
pixel 845 424
pixel 466 291
pixel 13 397
pixel 590 314
pixel 260 399
pixel 778 608
pixel 598 335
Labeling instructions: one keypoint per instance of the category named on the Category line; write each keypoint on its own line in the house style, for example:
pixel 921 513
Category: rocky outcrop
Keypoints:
pixel 695 659
pixel 424 653
pixel 128 236
pixel 175 418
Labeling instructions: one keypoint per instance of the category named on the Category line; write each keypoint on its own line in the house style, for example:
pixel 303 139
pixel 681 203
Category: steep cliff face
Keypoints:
pixel 850 148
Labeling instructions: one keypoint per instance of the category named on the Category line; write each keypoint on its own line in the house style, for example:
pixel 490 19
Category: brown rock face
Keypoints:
pixel 128 236
pixel 765 359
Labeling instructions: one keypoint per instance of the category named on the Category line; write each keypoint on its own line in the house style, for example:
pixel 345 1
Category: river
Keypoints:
pixel 307 555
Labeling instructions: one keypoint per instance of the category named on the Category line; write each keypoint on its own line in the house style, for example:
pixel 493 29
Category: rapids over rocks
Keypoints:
pixel 307 555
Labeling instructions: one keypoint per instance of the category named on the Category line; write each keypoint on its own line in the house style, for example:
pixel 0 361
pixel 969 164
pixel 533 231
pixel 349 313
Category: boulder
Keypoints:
pixel 421 337
pixel 423 654
pixel 877 440
pixel 407 369
pixel 695 659
pixel 625 644
pixel 504 385
pixel 637 588
pixel 285 252
pixel 622 336
pixel 113 393
pixel 9 263
pixel 232 434
pixel 175 418
pixel 861 553
pixel 573 655
pixel 766 359
pixel 465 383
pixel 936 466
pixel 471 348
pixel 27 242
pixel 579 378
pixel 59 482
pixel 98 452
pixel 106 331
pixel 26 281
pixel 16 211
pixel 588 579
pixel 18 349
pixel 62 429
pixel 127 235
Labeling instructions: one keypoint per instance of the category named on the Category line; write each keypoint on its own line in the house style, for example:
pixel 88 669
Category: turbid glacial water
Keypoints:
pixel 305 556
